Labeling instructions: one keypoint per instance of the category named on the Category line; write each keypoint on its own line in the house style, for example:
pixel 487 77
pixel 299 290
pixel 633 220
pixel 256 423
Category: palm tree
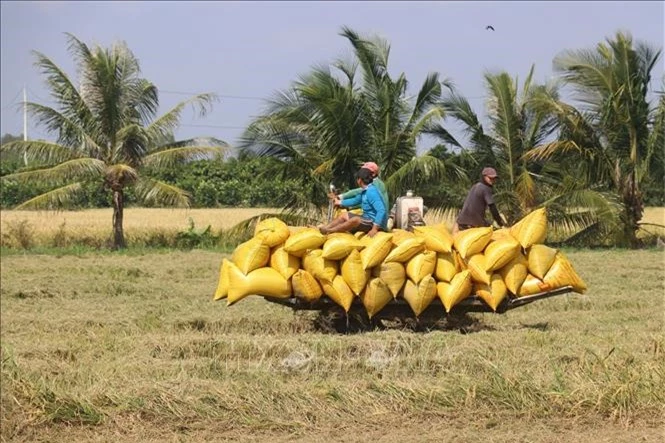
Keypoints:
pixel 515 127
pixel 107 129
pixel 614 134
pixel 336 117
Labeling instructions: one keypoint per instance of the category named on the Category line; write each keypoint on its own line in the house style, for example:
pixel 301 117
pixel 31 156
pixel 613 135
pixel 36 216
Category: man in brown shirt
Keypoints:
pixel 477 201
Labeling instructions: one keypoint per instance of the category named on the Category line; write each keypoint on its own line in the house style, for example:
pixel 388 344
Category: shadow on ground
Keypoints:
pixel 356 323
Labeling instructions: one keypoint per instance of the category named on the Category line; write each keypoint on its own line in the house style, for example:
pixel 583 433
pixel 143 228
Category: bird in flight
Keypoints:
pixel 489 27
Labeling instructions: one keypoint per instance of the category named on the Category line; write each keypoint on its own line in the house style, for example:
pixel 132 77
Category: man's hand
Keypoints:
pixel 372 232
pixel 337 201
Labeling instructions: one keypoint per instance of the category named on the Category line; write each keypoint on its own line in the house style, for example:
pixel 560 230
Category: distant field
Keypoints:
pixel 130 347
pixel 94 226
pixel 146 225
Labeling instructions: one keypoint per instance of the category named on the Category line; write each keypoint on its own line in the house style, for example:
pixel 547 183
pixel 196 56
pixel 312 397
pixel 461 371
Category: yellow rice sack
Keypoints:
pixel 420 295
pixel 399 235
pixel 393 275
pixel 250 255
pixel 540 258
pixel 305 286
pixel 272 231
pixel 533 285
pixel 376 249
pixel 494 293
pixel 322 269
pixel 297 229
pixel 339 245
pixel 283 262
pixel 223 285
pixel 437 238
pixel 455 291
pixel 531 229
pixel 501 233
pixel 406 249
pixel 446 266
pixel 421 265
pixel 472 241
pixel 261 281
pixel 514 273
pixel 309 238
pixel 499 253
pixel 460 264
pixel 478 268
pixel 375 296
pixel 353 272
pixel 339 292
pixel 563 274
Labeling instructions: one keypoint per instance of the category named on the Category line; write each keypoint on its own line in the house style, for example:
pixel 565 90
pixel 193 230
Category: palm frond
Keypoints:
pixel 132 144
pixel 63 91
pixel 159 193
pixel 417 171
pixel 170 157
pixel 70 132
pixel 438 131
pixel 40 151
pixel 77 169
pixel 548 150
pixel 55 199
pixel 169 121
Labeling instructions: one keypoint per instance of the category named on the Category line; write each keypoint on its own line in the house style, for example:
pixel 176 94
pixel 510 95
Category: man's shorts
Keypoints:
pixel 365 224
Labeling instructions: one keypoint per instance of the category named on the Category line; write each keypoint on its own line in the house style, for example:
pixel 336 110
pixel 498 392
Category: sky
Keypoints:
pixel 246 51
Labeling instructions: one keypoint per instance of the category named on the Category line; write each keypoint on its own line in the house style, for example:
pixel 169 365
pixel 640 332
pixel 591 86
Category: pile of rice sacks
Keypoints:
pixel 283 262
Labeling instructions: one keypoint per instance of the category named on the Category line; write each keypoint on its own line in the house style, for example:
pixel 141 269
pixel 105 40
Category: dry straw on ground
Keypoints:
pixel 131 347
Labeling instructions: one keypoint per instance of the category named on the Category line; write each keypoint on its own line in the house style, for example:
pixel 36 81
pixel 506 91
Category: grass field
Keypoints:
pixel 130 347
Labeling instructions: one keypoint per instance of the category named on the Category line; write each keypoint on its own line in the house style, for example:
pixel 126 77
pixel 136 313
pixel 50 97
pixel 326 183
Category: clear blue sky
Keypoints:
pixel 252 49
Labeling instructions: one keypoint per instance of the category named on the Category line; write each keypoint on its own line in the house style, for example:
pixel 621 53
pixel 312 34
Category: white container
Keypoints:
pixel 405 205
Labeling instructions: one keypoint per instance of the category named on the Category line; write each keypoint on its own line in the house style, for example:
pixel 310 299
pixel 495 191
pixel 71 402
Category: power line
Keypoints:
pixel 249 97
pixel 241 97
pixel 14 102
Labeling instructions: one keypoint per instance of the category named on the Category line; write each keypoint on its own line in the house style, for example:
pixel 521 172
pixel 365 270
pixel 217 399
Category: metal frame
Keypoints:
pixel 399 308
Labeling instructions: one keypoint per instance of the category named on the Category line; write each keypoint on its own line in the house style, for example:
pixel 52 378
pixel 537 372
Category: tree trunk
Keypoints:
pixel 118 206
pixel 633 205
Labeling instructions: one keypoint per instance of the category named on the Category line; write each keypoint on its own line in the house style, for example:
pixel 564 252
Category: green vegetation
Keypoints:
pixel 106 131
pixel 594 161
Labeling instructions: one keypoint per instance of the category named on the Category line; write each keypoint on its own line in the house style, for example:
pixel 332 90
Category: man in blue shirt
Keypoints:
pixel 374 216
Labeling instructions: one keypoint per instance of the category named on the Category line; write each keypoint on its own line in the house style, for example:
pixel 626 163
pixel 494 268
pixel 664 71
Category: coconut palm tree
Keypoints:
pixel 106 128
pixel 613 133
pixel 341 115
pixel 515 126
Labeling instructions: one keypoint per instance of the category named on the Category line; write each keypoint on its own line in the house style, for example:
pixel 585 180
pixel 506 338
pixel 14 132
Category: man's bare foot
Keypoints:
pixel 323 230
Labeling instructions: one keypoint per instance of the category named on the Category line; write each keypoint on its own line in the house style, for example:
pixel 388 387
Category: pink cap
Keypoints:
pixel 373 167
pixel 490 172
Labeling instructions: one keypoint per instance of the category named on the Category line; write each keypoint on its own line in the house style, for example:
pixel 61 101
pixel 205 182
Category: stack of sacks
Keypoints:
pixel 283 262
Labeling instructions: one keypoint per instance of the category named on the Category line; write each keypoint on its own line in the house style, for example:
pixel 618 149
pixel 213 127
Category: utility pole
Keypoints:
pixel 25 115
pixel 25 123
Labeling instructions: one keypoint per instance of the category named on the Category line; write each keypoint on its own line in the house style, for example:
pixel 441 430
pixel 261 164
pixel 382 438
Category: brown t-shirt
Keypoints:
pixel 477 201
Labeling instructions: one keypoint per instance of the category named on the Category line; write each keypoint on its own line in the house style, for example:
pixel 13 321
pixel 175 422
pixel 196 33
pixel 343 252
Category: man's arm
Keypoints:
pixel 350 193
pixel 496 215
pixel 353 202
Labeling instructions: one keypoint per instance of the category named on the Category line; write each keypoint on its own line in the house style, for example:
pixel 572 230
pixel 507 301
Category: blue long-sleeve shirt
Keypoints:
pixel 371 202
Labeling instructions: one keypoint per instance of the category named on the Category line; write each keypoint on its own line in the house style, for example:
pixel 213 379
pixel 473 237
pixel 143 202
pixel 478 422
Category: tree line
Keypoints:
pixel 593 161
